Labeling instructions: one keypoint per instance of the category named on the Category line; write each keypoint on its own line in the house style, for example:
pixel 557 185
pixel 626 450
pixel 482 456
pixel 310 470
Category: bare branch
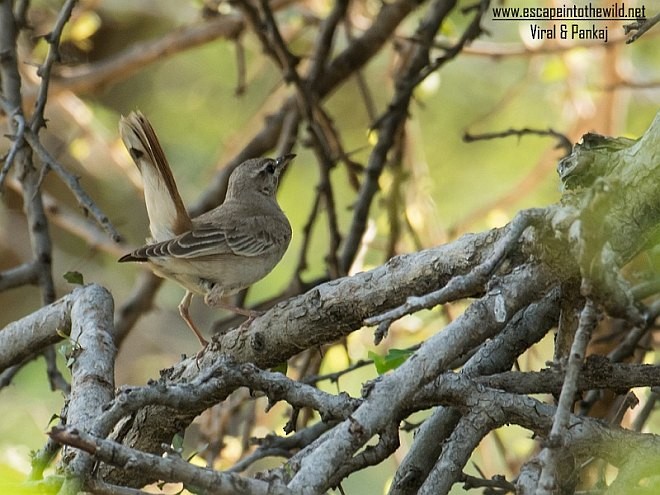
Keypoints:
pixel 460 287
pixel 32 334
pixel 170 468
pixel 389 124
pixel 73 184
pixel 87 78
pixel 25 274
pixel 53 38
pixel 562 141
pixel 640 27
pixel 550 455
pixel 469 431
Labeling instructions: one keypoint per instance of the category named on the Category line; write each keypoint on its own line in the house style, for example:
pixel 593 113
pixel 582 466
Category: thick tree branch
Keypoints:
pixel 32 334
pixel 324 314
pixel 497 355
pixel 387 397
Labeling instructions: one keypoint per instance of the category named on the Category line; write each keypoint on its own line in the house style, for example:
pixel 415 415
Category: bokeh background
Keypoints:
pixel 443 188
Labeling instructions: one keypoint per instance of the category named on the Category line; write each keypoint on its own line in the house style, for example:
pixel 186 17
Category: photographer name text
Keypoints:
pixel 568 31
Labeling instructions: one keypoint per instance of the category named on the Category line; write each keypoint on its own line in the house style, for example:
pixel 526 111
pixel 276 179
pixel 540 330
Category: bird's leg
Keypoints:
pixel 213 299
pixel 183 311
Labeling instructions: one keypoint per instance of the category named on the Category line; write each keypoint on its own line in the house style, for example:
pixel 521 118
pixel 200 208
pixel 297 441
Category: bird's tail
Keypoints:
pixel 167 214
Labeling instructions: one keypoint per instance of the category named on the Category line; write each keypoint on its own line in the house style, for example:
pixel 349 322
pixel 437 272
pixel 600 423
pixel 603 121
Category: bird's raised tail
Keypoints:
pixel 167 214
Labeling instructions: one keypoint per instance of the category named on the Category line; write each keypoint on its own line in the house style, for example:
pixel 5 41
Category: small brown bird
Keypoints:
pixel 221 251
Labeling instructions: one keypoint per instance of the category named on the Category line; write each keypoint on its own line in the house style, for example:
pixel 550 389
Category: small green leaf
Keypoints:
pixel 177 443
pixel 391 361
pixel 74 277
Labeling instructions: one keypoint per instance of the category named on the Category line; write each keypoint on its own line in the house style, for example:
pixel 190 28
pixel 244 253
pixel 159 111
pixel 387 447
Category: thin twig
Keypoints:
pixel 318 121
pixel 646 411
pixel 73 184
pixel 551 453
pixel 241 71
pixel 562 140
pixel 169 468
pixel 10 80
pixel 53 38
pixel 461 286
pixel 25 274
pixel 324 41
pixel 390 123
pixel 17 142
pixel 334 377
pixel 89 77
pixel 640 27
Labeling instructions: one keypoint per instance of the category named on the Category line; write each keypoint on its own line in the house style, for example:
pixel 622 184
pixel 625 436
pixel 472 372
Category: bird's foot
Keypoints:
pixel 201 353
pixel 252 315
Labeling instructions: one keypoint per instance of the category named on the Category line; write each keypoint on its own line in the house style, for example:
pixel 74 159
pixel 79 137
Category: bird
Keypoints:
pixel 217 253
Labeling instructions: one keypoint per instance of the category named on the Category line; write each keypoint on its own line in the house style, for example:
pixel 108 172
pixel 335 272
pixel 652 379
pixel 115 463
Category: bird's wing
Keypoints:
pixel 250 237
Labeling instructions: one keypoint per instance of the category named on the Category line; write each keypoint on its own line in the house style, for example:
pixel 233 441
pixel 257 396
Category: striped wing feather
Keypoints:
pixel 250 238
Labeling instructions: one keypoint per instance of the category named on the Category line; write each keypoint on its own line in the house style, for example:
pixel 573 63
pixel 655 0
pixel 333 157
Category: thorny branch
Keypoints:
pixel 562 141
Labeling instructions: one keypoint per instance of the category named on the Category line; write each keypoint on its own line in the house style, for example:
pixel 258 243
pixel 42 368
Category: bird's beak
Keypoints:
pixel 284 160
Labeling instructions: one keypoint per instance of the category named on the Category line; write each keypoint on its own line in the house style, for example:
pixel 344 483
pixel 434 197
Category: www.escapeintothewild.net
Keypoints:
pixel 563 13
pixel 614 12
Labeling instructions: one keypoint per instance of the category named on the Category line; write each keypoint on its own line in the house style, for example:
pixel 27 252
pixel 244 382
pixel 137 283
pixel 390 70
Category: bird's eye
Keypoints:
pixel 270 168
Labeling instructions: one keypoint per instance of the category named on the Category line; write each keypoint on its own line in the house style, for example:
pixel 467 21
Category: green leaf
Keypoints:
pixel 391 361
pixel 177 442
pixel 74 277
